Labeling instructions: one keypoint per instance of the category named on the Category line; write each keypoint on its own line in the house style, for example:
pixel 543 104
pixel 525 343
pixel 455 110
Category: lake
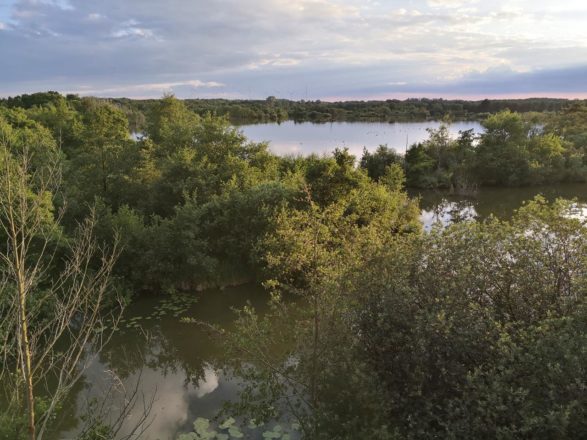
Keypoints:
pixel 306 138
pixel 180 364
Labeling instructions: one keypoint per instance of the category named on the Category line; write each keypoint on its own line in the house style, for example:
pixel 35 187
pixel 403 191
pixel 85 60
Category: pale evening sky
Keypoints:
pixel 296 49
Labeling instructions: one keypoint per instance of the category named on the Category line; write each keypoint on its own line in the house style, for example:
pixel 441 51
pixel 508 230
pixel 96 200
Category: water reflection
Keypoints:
pixel 445 208
pixel 179 364
pixel 305 138
pixel 447 212
pixel 207 383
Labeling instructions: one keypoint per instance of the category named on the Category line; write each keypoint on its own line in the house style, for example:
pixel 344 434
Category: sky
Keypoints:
pixel 295 49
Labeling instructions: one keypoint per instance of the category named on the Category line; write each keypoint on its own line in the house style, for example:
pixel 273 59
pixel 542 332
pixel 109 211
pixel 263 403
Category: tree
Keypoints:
pixel 55 299
pixel 502 152
pixel 455 323
pixel 409 336
pixel 63 121
pixel 332 178
pixel 298 356
pixel 394 178
pixel 171 125
pixel 376 163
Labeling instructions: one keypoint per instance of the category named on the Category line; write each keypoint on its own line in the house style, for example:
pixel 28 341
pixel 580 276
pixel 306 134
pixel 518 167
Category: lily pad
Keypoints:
pixel 227 423
pixel 201 425
pixel 235 432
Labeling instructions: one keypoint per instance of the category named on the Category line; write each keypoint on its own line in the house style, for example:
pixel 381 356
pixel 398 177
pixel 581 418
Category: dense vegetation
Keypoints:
pixel 512 151
pixel 473 331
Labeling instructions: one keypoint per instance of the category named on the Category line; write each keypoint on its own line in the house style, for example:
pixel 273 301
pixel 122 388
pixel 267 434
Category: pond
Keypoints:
pixel 178 364
pixel 306 138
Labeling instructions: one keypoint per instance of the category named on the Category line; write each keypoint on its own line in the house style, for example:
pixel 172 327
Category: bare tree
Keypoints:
pixel 51 320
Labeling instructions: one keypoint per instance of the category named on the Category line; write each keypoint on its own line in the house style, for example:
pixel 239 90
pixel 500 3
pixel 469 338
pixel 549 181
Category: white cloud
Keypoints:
pixel 294 49
pixel 94 16
pixel 450 3
pixel 133 32
pixel 61 4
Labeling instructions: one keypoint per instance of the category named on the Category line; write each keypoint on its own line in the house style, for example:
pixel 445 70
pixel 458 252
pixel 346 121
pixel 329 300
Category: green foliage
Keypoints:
pixel 377 163
pixel 571 124
pixel 473 331
pixel 394 178
pixel 510 152
pixel 332 178
pixel 453 314
pixel 503 150
pixel 13 423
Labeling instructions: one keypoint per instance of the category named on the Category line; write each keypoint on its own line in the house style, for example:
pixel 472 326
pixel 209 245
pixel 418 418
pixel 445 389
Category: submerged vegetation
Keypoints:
pixel 477 330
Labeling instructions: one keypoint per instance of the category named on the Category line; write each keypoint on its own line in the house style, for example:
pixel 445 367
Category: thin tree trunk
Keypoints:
pixel 26 354
pixel 17 239
pixel 19 262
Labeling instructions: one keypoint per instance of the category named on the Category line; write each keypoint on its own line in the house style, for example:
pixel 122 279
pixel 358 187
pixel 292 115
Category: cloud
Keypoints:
pixel 450 3
pixel 294 49
pixel 494 82
pixel 133 31
pixel 95 16
pixel 145 90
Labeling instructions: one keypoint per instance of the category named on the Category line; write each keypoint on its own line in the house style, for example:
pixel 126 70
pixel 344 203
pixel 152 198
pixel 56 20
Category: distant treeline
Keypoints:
pixel 273 109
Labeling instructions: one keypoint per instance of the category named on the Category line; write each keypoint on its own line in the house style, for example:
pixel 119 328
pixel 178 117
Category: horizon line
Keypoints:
pixel 333 99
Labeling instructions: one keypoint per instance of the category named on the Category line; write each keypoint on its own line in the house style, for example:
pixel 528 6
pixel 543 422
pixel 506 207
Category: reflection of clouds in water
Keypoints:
pixel 208 383
pixel 294 148
pixel 306 138
pixel 172 398
pixel 448 212
pixel 171 410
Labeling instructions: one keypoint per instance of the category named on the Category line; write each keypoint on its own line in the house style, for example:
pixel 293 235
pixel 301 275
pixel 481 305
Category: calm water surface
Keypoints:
pixel 305 138
pixel 177 364
pixel 444 208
